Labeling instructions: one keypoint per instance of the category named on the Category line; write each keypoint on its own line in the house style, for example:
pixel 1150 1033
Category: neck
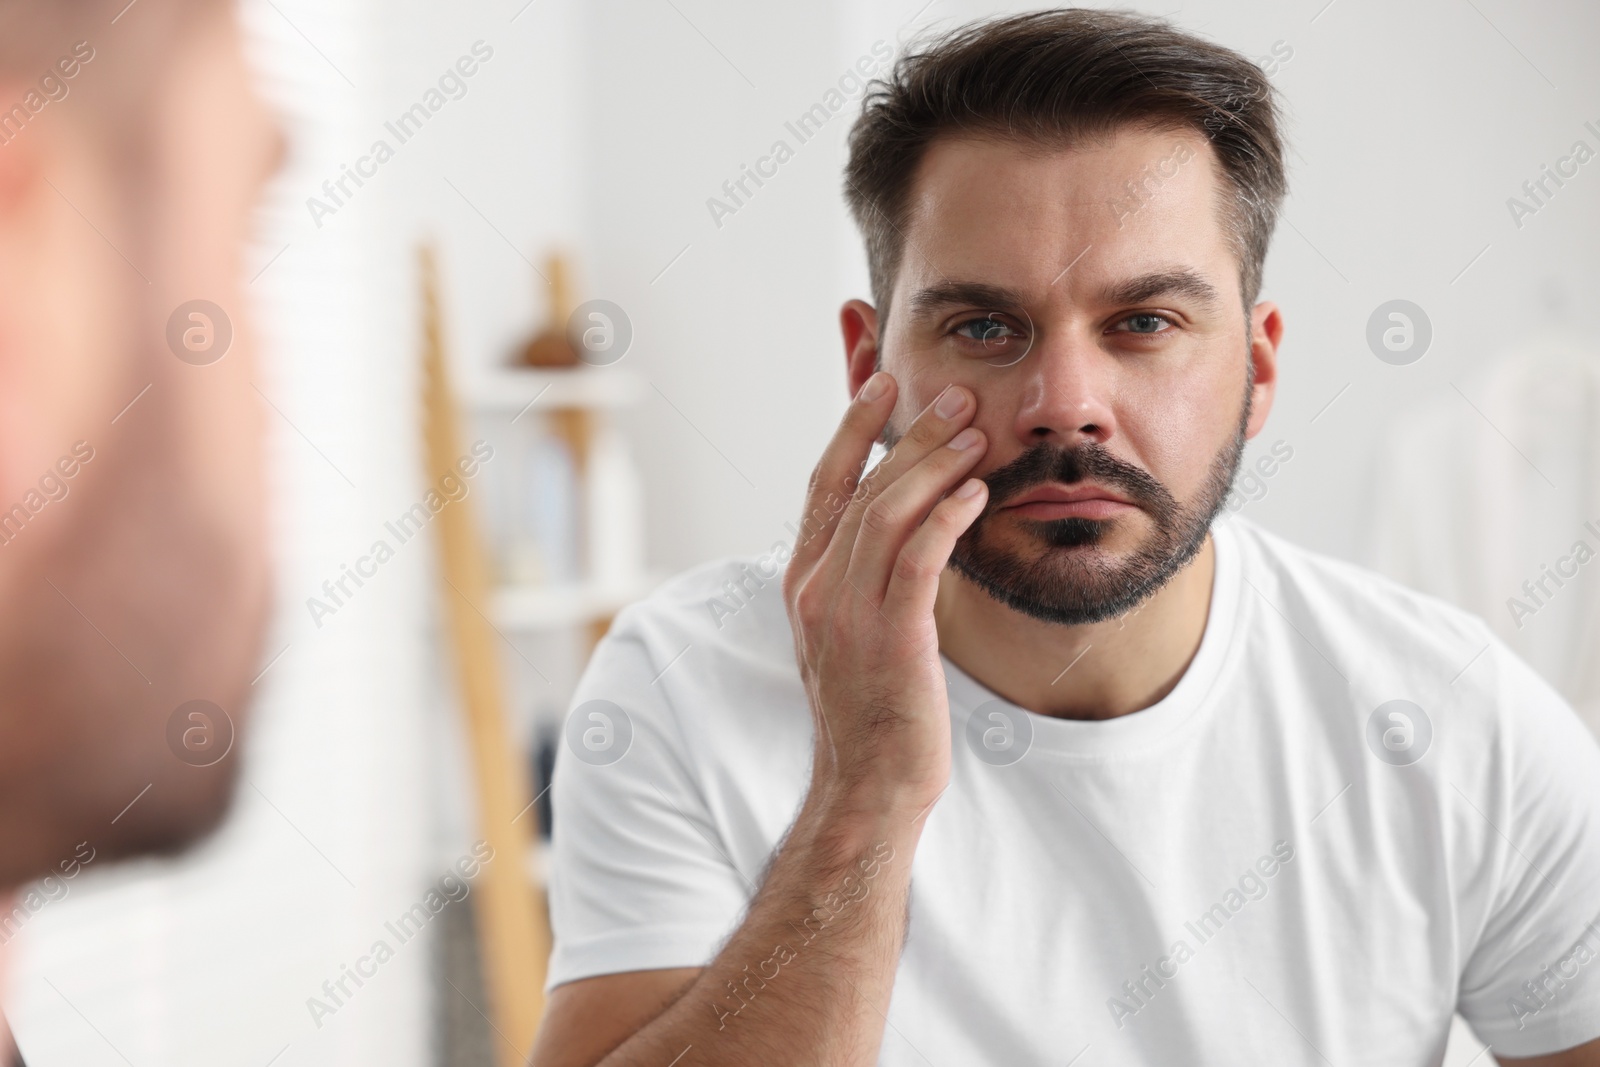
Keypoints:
pixel 1094 671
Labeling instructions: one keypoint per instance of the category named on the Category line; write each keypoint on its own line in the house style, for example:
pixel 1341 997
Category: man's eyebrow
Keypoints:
pixel 1179 281
pixel 957 294
pixel 1176 281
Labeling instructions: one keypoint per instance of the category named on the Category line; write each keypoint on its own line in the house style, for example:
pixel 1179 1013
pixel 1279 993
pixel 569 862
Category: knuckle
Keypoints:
pixel 879 519
pixel 911 567
pixel 810 604
pixel 947 515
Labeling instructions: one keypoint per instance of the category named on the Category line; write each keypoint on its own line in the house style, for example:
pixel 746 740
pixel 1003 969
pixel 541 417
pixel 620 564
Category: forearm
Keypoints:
pixel 806 977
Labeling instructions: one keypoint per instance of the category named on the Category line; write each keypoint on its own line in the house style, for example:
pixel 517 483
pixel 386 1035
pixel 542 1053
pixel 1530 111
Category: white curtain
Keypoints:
pixel 1490 498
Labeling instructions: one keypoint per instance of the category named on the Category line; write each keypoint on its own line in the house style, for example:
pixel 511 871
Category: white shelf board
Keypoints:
pixel 550 607
pixel 510 389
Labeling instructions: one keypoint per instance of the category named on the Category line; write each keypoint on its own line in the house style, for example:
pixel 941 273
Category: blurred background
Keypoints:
pixel 1447 440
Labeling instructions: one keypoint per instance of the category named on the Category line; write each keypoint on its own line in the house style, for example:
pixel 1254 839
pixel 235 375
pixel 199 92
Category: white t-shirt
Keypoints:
pixel 1267 866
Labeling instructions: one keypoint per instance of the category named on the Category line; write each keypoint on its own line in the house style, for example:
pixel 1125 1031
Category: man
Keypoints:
pixel 133 560
pixel 1035 756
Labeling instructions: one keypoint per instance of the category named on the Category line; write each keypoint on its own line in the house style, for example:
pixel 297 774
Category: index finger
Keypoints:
pixel 838 472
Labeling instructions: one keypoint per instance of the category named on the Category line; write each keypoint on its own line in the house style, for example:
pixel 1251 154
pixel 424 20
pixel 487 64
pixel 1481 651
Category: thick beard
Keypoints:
pixel 1060 585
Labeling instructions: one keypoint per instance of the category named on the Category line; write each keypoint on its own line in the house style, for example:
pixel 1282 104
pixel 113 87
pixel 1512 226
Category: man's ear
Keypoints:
pixel 858 321
pixel 1266 331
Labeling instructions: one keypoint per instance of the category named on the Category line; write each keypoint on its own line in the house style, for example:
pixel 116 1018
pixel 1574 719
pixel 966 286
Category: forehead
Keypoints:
pixel 1014 214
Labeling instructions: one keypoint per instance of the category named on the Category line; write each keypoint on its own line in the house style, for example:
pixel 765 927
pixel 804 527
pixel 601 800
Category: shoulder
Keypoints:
pixel 733 603
pixel 1390 641
pixel 707 658
pixel 1356 610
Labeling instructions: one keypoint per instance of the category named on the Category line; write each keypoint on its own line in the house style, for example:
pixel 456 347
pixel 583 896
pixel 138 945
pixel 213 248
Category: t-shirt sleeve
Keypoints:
pixel 639 877
pixel 1531 984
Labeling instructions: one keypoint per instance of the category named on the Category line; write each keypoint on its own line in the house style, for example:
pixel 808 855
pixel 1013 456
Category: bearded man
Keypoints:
pixel 1036 754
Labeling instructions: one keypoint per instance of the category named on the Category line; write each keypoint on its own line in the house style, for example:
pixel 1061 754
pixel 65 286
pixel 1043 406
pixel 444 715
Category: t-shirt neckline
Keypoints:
pixel 1139 729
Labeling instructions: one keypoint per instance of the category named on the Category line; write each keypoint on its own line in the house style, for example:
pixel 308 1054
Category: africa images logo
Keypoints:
pixel 1399 732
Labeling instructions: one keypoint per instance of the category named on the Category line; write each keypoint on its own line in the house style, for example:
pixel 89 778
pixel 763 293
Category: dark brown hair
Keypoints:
pixel 1056 78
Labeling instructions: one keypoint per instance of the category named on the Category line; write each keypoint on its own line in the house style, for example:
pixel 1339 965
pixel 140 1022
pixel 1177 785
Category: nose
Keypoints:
pixel 1066 395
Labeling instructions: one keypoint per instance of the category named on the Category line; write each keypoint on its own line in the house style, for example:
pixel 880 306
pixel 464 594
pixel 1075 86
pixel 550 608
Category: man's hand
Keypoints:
pixel 860 590
pixel 807 975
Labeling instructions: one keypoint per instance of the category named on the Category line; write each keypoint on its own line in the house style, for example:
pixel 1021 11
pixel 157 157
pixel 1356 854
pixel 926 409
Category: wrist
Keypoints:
pixel 843 827
pixel 872 797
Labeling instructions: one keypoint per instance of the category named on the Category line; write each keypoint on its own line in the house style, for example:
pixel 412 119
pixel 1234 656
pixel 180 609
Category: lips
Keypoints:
pixel 1052 494
pixel 1055 502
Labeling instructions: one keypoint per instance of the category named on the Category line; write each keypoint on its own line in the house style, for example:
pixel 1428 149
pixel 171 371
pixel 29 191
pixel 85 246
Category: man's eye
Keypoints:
pixel 1146 323
pixel 987 329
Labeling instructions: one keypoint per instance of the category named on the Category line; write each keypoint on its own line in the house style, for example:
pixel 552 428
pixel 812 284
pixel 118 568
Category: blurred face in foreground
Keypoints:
pixel 1090 299
pixel 133 560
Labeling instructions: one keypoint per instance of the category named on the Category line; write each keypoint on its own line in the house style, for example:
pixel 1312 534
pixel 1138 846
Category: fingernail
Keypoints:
pixel 952 402
pixel 965 439
pixel 873 388
pixel 969 488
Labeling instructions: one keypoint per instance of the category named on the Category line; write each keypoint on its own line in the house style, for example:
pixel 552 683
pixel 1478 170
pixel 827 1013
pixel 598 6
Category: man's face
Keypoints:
pixel 161 542
pixel 1090 300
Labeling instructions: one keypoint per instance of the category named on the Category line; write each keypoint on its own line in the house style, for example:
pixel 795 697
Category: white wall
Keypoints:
pixel 738 336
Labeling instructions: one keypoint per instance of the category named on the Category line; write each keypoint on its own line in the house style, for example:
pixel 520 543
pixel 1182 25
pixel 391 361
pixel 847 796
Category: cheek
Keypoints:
pixel 922 380
pixel 918 386
pixel 81 296
pixel 1176 426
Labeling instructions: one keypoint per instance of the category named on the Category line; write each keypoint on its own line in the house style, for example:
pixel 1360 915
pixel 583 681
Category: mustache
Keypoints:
pixel 1045 463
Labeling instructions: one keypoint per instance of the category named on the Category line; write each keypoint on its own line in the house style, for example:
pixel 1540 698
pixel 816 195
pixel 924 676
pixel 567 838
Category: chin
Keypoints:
pixel 1071 571
pixel 1045 536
